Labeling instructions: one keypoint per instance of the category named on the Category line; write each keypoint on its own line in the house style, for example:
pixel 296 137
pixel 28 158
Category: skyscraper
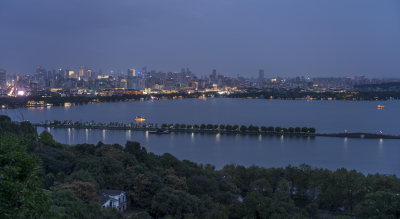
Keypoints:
pixel 213 76
pixel 131 72
pixel 81 72
pixel 261 75
pixel 71 74
pixel 89 73
pixel 3 80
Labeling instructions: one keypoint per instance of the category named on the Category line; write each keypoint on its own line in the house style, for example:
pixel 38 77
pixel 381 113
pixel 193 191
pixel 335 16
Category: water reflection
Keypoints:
pixel 345 144
pixel 192 137
pixel 86 135
pixel 128 135
pixel 366 155
pixel 381 143
pixel 69 136
pixel 217 137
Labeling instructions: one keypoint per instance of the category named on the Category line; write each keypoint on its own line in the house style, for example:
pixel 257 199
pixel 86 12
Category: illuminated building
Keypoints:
pixel 131 72
pixel 89 73
pixel 81 72
pixel 71 74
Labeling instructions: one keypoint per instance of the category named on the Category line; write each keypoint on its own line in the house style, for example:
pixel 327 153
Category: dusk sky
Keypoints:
pixel 284 37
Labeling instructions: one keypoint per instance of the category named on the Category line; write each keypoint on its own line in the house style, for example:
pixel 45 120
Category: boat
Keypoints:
pixel 140 119
pixel 381 107
pixel 159 131
pixel 39 104
pixel 202 98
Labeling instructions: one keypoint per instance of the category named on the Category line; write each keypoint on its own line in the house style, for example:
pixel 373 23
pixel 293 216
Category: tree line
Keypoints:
pixel 241 128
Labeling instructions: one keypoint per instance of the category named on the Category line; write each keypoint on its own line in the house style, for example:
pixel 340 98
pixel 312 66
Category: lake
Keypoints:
pixel 365 155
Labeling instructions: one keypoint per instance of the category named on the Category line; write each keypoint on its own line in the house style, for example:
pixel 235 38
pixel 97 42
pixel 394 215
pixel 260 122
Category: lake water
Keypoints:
pixel 366 155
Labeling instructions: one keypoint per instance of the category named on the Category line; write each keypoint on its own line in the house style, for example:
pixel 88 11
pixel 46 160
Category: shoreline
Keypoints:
pixel 44 102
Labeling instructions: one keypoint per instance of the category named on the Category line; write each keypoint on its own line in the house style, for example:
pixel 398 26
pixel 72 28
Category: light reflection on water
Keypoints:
pixel 366 155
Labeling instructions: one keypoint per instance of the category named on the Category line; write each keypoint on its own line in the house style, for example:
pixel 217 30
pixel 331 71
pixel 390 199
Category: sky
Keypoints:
pixel 236 37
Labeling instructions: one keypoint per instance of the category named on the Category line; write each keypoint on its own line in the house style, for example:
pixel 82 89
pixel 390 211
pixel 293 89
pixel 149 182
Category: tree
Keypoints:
pixel 256 128
pixel 263 129
pixel 46 138
pixel 235 127
pixel 304 129
pixel 174 202
pixel 86 191
pixel 21 195
pixel 243 128
pixel 311 130
pixel 228 127
pixel 297 129
pixel 379 204
pixel 222 127
pixel 140 215
pixel 257 206
pixel 291 129
pixel 202 126
pixel 278 129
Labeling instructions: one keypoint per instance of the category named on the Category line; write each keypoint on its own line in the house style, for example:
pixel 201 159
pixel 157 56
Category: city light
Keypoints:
pixel 20 93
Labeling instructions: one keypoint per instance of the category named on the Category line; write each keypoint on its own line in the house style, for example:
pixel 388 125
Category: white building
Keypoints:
pixel 114 199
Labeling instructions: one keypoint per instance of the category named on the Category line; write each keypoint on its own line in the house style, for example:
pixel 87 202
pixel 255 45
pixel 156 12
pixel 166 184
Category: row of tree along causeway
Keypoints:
pixel 155 128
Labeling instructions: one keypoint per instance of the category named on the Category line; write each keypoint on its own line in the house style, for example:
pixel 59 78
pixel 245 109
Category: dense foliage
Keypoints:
pixel 161 186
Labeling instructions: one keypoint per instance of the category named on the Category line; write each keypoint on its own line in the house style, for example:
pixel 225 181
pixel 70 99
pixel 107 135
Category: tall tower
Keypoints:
pixel 213 75
pixel 81 72
pixel 131 72
pixel 261 75
pixel 89 73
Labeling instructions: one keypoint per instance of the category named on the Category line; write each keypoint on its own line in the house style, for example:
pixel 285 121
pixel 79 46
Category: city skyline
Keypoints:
pixel 232 36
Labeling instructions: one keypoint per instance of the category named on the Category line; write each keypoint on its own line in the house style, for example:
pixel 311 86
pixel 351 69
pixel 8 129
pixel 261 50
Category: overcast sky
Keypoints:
pixel 284 37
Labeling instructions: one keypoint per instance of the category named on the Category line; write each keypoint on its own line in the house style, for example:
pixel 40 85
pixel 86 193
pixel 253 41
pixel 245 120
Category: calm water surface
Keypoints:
pixel 368 156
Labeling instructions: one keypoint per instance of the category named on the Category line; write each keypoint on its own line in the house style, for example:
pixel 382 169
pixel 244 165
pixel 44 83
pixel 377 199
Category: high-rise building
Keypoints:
pixel 89 73
pixel 261 75
pixel 71 74
pixel 40 70
pixel 3 80
pixel 81 72
pixel 131 72
pixel 144 70
pixel 213 76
